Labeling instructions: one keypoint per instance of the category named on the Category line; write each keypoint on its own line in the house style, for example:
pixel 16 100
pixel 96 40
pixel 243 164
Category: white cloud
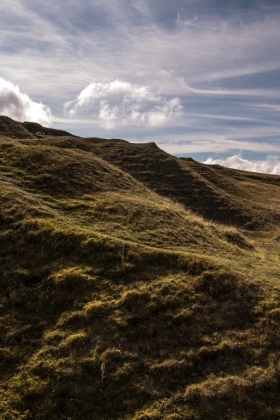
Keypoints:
pixel 20 107
pixel 120 103
pixel 269 166
pixel 40 31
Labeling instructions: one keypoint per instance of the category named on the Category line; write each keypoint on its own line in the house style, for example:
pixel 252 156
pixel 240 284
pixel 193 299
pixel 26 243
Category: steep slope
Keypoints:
pixel 258 191
pixel 170 177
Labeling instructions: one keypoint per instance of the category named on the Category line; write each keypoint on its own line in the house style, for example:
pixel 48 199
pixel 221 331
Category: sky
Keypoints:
pixel 201 78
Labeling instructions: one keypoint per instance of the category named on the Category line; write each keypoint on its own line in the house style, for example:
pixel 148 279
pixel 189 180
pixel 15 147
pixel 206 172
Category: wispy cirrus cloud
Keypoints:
pixel 219 61
pixel 99 37
pixel 219 144
pixel 19 106
pixel 231 92
pixel 119 103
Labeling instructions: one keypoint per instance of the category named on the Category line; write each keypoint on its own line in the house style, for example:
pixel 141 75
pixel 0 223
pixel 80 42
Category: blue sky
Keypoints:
pixel 201 78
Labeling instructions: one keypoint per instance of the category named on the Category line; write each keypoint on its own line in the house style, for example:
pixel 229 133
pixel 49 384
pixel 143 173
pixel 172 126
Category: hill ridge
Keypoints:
pixel 211 192
pixel 13 129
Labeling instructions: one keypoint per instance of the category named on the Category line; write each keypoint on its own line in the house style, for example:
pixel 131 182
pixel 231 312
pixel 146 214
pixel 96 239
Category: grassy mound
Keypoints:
pixel 69 173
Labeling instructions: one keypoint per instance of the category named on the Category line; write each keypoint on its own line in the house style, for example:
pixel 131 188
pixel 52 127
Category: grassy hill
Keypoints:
pixel 38 130
pixel 13 129
pixel 117 301
pixel 216 195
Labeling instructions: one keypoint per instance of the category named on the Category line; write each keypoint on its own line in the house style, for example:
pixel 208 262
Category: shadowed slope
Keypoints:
pixel 38 128
pixel 13 129
pixel 260 192
pixel 170 177
pixel 229 179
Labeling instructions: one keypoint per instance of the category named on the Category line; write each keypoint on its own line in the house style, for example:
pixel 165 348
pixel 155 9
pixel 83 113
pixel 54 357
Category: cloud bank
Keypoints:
pixel 20 107
pixel 269 166
pixel 120 103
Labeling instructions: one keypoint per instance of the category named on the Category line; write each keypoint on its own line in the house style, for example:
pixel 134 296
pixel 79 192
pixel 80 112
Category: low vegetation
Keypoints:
pixel 117 301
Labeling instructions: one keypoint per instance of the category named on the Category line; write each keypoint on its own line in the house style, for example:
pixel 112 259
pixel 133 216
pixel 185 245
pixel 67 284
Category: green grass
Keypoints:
pixel 119 303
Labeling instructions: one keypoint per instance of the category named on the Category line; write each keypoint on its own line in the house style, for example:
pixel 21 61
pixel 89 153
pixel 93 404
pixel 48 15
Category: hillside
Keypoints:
pixel 217 196
pixel 38 130
pixel 117 301
pixel 13 129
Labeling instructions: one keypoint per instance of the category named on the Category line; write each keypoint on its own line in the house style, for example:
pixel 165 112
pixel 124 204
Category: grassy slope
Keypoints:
pixel 13 129
pixel 216 195
pixel 117 303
